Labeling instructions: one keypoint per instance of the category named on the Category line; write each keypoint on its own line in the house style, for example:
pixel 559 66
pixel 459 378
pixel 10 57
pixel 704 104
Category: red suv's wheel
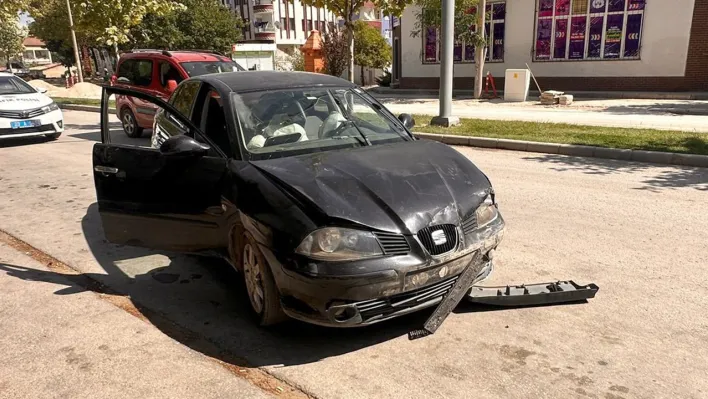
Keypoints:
pixel 130 124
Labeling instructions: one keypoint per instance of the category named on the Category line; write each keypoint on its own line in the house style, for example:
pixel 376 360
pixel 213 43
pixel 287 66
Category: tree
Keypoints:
pixel 335 51
pixel 109 21
pixel 11 38
pixel 346 9
pixel 370 48
pixel 203 24
pixel 467 21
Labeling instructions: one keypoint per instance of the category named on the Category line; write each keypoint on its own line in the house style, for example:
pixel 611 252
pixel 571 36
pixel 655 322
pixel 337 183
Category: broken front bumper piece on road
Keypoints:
pixel 521 295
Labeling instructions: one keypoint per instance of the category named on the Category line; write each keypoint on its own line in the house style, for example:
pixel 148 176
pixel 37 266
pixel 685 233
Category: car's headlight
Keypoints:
pixel 49 108
pixel 486 212
pixel 339 244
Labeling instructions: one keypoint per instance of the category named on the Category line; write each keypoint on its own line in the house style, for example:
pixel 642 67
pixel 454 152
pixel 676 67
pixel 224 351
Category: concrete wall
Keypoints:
pixel 665 41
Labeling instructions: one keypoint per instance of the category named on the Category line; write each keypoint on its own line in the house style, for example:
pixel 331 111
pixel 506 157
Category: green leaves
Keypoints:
pixel 11 37
pixel 370 48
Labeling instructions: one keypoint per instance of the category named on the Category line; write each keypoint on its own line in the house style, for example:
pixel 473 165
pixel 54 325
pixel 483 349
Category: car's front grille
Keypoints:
pixel 379 308
pixel 393 244
pixel 438 239
pixel 10 132
pixel 470 224
pixel 21 114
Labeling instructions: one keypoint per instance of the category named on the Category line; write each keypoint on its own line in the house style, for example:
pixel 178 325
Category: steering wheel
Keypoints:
pixel 332 126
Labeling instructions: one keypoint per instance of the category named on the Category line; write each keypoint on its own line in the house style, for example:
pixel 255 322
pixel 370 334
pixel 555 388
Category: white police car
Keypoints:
pixel 25 111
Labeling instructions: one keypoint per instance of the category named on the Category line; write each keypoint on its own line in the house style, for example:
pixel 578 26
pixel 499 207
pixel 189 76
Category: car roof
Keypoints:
pixel 245 81
pixel 6 74
pixel 180 56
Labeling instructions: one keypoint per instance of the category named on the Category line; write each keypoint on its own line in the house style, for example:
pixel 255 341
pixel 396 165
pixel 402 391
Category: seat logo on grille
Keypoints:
pixel 438 237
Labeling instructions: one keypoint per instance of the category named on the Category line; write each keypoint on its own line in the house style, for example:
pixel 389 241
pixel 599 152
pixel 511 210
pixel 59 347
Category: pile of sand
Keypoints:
pixel 79 90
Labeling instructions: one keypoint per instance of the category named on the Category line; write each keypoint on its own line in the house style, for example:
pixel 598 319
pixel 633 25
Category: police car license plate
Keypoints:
pixel 23 124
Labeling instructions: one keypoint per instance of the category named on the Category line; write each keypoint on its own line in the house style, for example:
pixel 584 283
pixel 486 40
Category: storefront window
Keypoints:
pixel 588 29
pixel 464 53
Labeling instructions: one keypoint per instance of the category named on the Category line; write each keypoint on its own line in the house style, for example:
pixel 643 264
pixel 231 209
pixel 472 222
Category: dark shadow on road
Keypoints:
pixel 23 141
pixel 117 137
pixel 86 126
pixel 201 303
pixel 656 177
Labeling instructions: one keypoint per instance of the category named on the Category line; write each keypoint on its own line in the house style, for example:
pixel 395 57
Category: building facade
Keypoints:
pixel 631 45
pixel 285 23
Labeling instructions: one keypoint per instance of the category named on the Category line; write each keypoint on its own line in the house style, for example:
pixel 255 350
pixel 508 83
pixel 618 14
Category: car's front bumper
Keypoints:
pixel 403 285
pixel 51 123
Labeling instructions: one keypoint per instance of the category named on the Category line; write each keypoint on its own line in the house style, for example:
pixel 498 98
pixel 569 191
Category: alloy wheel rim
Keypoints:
pixel 128 123
pixel 252 275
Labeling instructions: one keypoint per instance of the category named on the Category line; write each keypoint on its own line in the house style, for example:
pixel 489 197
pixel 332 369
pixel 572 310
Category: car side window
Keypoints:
pixel 185 96
pixel 211 120
pixel 136 72
pixel 169 72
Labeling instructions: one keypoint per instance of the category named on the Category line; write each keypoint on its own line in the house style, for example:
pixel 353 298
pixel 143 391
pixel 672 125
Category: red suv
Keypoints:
pixel 158 72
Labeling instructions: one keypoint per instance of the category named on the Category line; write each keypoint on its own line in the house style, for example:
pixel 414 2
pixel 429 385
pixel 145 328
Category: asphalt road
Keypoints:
pixel 637 230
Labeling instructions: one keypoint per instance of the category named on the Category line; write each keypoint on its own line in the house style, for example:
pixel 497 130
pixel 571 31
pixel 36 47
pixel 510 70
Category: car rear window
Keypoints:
pixel 137 72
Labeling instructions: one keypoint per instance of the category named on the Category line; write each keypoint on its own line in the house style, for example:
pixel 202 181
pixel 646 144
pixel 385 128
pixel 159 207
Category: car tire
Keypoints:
pixel 53 136
pixel 130 124
pixel 262 293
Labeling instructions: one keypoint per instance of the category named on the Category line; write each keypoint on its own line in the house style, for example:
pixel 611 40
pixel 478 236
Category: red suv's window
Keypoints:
pixel 136 72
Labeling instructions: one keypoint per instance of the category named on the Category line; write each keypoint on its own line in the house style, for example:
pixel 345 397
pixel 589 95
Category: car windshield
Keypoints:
pixel 198 68
pixel 292 122
pixel 13 85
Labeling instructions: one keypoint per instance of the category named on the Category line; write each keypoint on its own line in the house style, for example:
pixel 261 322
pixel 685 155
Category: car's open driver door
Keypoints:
pixel 154 199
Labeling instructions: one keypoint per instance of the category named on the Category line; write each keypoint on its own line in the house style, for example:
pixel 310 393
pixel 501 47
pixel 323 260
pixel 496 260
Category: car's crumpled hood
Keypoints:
pixel 20 102
pixel 398 188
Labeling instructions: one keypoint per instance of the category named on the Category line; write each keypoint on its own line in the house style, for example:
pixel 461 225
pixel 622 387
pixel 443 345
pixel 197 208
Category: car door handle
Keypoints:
pixel 105 169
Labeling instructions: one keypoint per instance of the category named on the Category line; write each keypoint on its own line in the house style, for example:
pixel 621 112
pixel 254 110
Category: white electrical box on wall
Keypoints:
pixel 516 84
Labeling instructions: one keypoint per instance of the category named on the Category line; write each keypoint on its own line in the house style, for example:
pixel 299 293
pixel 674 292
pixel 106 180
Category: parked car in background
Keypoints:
pixel 334 213
pixel 18 69
pixel 157 73
pixel 25 111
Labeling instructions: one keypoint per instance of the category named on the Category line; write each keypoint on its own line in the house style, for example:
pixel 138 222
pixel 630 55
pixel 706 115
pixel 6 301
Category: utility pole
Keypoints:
pixel 446 66
pixel 76 47
pixel 481 52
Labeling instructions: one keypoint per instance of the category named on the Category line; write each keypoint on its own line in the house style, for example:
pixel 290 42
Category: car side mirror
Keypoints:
pixel 171 86
pixel 407 120
pixel 40 89
pixel 182 145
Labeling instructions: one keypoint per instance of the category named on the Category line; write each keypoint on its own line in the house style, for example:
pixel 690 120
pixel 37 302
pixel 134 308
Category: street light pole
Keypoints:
pixel 446 66
pixel 76 47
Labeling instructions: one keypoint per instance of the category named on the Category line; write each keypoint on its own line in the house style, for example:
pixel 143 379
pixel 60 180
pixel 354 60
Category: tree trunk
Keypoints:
pixel 480 53
pixel 350 40
pixel 362 75
pixel 115 49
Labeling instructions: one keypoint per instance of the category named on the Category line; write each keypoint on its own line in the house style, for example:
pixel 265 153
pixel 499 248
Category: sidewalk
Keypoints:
pixel 684 115
pixel 56 345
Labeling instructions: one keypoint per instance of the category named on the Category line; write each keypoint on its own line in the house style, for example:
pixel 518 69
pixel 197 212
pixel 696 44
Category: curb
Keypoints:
pixel 665 158
pixel 86 108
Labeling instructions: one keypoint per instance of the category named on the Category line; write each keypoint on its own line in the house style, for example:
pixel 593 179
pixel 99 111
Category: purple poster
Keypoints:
pixel 498 46
pixel 545 8
pixel 499 11
pixel 635 5
pixel 431 44
pixel 469 53
pixel 578 27
pixel 457 54
pixel 562 7
pixel 561 38
pixel 543 39
pixel 615 6
pixel 634 30
pixel 597 6
pixel 487 35
pixel 613 36
pixel 595 39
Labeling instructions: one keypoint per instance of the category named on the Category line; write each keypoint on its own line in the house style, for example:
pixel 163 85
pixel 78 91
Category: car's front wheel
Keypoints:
pixel 130 124
pixel 260 286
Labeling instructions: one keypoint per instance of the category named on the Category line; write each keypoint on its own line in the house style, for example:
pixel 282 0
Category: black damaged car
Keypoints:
pixel 331 209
